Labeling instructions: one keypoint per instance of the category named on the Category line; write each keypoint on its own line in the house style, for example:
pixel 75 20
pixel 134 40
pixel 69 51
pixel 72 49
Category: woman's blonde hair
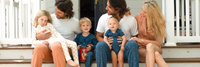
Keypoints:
pixel 84 19
pixel 42 13
pixel 155 19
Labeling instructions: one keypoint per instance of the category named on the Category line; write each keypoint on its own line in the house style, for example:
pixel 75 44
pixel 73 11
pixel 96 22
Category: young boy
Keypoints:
pixel 86 39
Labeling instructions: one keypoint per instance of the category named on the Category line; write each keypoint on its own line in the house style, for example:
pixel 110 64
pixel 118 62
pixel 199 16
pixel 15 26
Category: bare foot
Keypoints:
pixel 72 63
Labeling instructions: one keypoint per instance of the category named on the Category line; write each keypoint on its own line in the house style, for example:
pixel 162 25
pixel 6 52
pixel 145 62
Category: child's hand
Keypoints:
pixel 89 48
pixel 110 46
pixel 79 47
pixel 122 48
pixel 46 43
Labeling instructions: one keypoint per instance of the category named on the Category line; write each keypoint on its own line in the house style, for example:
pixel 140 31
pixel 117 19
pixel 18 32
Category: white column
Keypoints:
pixel 37 7
pixel 170 23
pixel 11 20
pixel 163 7
pixel 2 19
pixel 20 19
pixel 187 18
pixel 183 19
pixel 197 17
pixel 7 24
pixel 177 19
pixel 193 26
pixel 17 23
pixel 44 4
pixel 29 19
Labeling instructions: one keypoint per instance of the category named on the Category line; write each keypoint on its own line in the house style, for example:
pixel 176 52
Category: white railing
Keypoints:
pixel 182 25
pixel 16 20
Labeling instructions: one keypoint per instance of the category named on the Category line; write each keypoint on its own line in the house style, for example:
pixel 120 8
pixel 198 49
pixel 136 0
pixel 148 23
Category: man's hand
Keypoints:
pixel 119 39
pixel 43 36
pixel 89 48
pixel 79 47
pixel 110 39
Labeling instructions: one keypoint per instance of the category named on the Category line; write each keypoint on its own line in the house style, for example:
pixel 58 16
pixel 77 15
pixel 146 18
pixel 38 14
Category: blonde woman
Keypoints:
pixel 43 21
pixel 151 28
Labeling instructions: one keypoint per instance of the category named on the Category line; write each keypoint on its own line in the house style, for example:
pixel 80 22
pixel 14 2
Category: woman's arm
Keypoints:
pixel 145 41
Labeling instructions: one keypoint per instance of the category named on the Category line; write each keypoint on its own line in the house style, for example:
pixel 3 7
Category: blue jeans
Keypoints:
pixel 103 54
pixel 89 58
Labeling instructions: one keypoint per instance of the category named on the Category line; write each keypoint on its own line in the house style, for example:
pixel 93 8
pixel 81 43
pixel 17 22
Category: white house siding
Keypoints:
pixel 50 6
pixel 136 5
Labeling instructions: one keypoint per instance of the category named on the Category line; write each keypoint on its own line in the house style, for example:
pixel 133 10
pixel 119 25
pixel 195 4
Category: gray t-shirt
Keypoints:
pixel 68 28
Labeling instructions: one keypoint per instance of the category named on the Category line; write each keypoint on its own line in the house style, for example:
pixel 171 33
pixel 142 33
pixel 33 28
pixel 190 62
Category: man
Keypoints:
pixel 127 24
pixel 67 26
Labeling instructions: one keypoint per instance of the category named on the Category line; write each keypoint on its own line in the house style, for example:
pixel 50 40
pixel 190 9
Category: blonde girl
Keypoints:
pixel 43 21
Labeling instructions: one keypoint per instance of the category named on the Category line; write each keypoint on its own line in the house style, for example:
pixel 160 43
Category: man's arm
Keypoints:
pixel 43 36
pixel 99 36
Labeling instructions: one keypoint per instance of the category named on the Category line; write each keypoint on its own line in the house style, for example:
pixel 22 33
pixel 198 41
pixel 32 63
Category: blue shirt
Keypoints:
pixel 117 33
pixel 84 41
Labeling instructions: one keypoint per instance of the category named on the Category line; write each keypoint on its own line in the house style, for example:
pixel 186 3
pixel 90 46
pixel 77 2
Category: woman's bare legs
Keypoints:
pixel 121 58
pixel 160 61
pixel 114 59
pixel 150 54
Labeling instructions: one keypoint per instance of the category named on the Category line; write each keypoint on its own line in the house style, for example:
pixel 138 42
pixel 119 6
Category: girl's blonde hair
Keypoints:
pixel 42 13
pixel 155 19
pixel 84 19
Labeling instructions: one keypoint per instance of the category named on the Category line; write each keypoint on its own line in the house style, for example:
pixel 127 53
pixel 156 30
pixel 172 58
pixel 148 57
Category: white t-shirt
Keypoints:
pixel 128 25
pixel 68 28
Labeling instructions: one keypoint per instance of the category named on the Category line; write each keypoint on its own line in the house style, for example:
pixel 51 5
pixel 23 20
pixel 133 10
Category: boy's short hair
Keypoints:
pixel 84 19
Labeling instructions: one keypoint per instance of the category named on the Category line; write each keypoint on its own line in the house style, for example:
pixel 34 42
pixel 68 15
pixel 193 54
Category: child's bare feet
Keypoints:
pixel 72 63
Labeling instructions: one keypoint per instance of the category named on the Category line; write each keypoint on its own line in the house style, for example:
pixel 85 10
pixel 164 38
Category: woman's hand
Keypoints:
pixel 134 38
pixel 128 13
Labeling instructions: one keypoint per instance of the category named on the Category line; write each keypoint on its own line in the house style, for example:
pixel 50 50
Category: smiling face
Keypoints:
pixel 85 27
pixel 110 9
pixel 113 24
pixel 42 20
pixel 59 14
pixel 144 14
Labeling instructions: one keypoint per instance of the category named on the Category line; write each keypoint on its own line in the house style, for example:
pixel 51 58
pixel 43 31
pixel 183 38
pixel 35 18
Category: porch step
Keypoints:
pixel 180 51
pixel 173 62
